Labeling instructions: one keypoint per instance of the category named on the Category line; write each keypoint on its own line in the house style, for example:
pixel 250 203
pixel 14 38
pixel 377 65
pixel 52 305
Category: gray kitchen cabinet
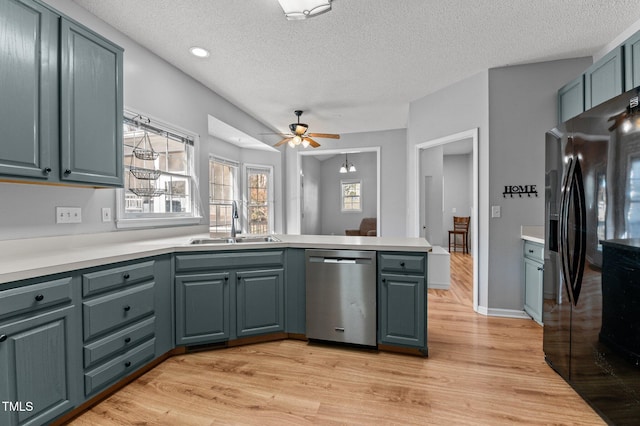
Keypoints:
pixel 632 62
pixel 260 302
pixel 40 367
pixel 91 99
pixel 255 290
pixel 202 308
pixel 571 99
pixel 533 278
pixel 402 302
pixel 28 122
pixel 295 292
pixel 604 79
pixel 61 106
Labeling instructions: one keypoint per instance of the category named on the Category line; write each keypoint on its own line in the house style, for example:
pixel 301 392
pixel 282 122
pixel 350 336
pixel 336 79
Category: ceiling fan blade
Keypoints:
pixel 312 143
pixel 283 141
pixel 325 135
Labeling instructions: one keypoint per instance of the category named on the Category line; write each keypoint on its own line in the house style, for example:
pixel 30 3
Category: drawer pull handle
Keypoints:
pixel 126 276
pixel 127 339
pixel 530 251
pixel 3 337
pixel 127 308
pixel 39 297
pixel 402 264
pixel 127 364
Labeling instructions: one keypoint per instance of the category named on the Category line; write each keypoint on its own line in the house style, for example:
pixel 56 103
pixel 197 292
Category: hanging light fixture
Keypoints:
pixel 346 166
pixel 303 9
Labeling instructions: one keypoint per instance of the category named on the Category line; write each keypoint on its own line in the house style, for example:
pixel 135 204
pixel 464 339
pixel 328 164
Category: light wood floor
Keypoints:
pixel 480 371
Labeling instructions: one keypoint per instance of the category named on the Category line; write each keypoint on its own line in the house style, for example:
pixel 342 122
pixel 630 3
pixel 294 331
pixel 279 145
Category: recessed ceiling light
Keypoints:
pixel 200 52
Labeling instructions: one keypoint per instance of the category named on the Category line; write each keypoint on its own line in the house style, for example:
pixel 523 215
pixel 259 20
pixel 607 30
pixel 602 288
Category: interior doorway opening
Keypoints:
pixel 433 191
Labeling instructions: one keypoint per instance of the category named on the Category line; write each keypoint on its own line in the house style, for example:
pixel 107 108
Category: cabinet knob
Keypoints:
pixel 540 268
pixel 402 264
pixel 46 170
pixel 127 364
pixel 127 308
pixel 3 337
pixel 126 276
pixel 226 278
pixel 39 297
pixel 67 172
pixel 384 280
pixel 127 339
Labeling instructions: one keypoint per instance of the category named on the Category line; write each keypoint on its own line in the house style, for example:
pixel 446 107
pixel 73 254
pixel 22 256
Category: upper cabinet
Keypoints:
pixel 571 99
pixel 61 110
pixel 604 79
pixel 632 62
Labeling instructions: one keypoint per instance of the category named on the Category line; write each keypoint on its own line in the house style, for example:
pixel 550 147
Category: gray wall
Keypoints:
pixel 392 145
pixel 334 221
pixel 458 184
pixel 431 165
pixel 151 86
pixel 311 169
pixel 522 106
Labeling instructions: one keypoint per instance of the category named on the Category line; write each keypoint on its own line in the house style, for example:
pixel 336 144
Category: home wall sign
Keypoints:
pixel 519 190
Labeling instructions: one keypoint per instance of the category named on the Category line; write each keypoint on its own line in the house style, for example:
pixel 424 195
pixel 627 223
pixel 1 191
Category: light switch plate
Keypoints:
pixel 495 211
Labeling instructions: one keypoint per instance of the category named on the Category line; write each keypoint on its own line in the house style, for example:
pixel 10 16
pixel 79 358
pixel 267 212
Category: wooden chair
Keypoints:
pixel 460 227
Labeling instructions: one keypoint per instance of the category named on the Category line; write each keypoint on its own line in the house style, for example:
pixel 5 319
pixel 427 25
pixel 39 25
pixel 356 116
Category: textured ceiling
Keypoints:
pixel 357 67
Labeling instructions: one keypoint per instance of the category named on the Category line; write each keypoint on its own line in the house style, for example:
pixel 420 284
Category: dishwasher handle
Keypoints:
pixel 341 260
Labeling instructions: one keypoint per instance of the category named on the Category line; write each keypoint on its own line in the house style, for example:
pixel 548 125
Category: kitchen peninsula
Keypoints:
pixel 102 314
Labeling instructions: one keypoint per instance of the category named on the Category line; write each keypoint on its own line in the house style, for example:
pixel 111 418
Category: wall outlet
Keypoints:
pixel 106 214
pixel 495 211
pixel 454 210
pixel 68 215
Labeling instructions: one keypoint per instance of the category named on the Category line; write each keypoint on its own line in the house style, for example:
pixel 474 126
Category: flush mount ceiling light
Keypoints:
pixel 200 52
pixel 303 9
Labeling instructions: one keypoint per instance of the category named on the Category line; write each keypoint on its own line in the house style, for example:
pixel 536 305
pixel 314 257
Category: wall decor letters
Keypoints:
pixel 519 190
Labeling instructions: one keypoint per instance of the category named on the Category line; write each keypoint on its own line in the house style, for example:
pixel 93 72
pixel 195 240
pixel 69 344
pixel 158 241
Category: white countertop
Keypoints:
pixel 532 233
pixel 29 258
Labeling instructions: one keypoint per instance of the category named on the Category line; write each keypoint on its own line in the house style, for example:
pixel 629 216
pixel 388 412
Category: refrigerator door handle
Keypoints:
pixel 563 228
pixel 573 235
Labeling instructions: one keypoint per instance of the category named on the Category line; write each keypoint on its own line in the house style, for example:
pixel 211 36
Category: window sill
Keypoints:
pixel 157 222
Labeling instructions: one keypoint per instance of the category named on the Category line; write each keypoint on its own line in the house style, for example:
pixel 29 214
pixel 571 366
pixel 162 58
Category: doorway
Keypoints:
pixel 426 213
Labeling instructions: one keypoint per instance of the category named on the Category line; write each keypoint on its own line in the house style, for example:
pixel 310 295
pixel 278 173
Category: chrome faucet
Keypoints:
pixel 234 216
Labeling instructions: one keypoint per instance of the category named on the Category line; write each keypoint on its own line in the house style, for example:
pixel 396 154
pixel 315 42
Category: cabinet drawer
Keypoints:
pixel 113 310
pixel 408 263
pixel 237 259
pixel 119 367
pixel 116 342
pixel 534 251
pixel 97 282
pixel 35 296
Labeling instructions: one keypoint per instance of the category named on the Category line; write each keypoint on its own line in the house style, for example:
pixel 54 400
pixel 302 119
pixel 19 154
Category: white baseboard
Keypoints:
pixel 439 286
pixel 505 313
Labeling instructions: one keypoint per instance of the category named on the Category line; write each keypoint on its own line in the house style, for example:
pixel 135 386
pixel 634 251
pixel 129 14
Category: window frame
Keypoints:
pixel 247 167
pixel 342 196
pixel 237 188
pixel 153 220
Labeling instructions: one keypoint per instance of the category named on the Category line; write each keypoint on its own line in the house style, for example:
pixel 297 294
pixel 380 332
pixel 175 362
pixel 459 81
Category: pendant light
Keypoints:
pixel 346 166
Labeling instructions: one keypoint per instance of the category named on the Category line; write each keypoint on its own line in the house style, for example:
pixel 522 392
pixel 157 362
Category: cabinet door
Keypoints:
pixel 402 310
pixel 603 80
pixel 260 302
pixel 202 308
pixel 632 62
pixel 40 368
pixel 28 87
pixel 571 99
pixel 533 275
pixel 91 149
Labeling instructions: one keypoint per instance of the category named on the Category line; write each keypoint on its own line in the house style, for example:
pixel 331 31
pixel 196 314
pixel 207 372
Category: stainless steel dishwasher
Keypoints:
pixel 341 296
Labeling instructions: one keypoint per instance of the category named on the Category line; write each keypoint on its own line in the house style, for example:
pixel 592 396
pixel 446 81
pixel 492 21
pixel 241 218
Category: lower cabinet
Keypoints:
pixel 39 362
pixel 402 300
pixel 533 279
pixel 226 295
pixel 202 308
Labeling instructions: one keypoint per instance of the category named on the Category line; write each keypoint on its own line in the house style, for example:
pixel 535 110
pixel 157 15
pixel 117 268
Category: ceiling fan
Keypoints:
pixel 299 135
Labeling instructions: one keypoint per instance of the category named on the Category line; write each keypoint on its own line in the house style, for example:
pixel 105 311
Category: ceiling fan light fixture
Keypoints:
pixel 295 10
pixel 297 140
pixel 305 142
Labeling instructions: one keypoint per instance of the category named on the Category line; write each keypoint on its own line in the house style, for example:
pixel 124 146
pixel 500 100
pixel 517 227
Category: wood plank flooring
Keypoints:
pixel 480 371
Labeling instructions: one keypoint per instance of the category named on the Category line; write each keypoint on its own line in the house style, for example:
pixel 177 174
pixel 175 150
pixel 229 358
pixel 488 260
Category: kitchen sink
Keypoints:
pixel 256 239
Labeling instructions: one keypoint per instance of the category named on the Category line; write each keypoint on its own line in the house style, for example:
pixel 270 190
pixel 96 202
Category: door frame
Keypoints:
pixel 468 134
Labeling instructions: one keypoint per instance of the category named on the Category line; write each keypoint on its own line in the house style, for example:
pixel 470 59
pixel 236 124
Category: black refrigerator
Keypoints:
pixel 591 311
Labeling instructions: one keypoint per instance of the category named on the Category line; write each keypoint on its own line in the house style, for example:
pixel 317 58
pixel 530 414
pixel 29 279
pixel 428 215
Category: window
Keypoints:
pixel 633 203
pixel 259 206
pixel 351 198
pixel 223 190
pixel 160 177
